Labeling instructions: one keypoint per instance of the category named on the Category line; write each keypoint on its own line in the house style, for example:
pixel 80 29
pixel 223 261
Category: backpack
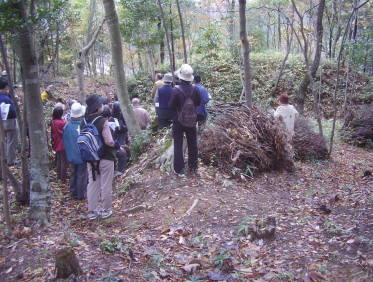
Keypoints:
pixel 90 145
pixel 187 116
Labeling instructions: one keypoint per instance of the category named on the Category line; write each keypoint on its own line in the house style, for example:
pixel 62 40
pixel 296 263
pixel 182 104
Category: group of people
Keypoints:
pixel 180 101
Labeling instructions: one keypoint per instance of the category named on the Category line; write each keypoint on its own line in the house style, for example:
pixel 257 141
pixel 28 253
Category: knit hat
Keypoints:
pixel 167 78
pixel 77 110
pixel 185 72
pixel 94 102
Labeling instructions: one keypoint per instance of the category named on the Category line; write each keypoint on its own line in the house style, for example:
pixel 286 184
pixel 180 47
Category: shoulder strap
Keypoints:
pixel 96 118
pixel 185 95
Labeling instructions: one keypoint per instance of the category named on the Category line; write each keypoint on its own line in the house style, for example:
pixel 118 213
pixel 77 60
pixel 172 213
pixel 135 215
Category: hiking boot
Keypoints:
pixel 92 215
pixel 106 214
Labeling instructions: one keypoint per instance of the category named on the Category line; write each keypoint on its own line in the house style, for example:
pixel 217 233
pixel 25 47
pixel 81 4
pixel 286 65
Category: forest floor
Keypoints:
pixel 195 228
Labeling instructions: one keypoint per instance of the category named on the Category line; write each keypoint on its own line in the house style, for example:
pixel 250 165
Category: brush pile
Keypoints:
pixel 244 140
pixel 358 126
pixel 308 144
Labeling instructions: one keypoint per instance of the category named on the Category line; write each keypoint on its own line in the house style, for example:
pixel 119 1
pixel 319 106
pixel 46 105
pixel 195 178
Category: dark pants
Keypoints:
pixel 79 181
pixel 122 161
pixel 191 136
pixel 165 117
pixel 61 165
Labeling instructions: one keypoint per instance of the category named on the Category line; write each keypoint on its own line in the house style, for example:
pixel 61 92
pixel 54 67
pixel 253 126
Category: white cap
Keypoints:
pixel 185 72
pixel 77 110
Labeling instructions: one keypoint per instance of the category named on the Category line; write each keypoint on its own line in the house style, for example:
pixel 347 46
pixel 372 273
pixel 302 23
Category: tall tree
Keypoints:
pixel 182 32
pixel 117 60
pixel 311 70
pixel 246 53
pixel 39 192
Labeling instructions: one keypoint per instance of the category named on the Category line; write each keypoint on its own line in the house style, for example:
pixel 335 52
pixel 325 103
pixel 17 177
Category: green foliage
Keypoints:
pixel 140 143
pixel 114 245
pixel 218 260
pixel 140 86
pixel 209 43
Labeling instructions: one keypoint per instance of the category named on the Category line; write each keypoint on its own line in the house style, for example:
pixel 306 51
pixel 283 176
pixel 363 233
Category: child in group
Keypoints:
pixel 57 125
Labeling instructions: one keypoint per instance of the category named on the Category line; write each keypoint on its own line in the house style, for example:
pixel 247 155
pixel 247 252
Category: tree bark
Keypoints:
pixel 82 61
pixel 301 95
pixel 39 194
pixel 246 53
pixel 182 32
pixel 22 193
pixel 173 67
pixel 117 60
pixel 170 52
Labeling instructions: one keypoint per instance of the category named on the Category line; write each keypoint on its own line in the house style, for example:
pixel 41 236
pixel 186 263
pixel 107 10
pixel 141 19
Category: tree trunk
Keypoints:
pixel 117 59
pixel 246 52
pixel 39 194
pixel 173 66
pixel 139 61
pixel 182 32
pixel 22 193
pixel 57 49
pixel 4 174
pixel 279 29
pixel 170 52
pixel 301 95
pixel 82 61
pixel 231 29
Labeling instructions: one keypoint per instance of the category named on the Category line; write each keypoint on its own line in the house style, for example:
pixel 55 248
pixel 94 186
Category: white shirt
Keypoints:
pixel 287 114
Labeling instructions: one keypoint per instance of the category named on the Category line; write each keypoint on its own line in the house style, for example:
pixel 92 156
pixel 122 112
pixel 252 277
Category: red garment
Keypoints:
pixel 57 126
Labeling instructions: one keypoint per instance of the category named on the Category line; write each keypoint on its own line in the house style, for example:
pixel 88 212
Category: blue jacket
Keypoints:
pixel 4 98
pixel 70 137
pixel 164 95
pixel 205 98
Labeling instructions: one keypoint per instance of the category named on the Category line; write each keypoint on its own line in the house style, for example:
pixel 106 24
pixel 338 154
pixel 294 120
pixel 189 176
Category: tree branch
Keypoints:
pixel 86 48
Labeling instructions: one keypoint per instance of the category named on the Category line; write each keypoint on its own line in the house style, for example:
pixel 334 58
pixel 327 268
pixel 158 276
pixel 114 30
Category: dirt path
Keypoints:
pixel 324 228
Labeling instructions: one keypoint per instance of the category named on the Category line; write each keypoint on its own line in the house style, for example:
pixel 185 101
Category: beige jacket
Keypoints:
pixel 287 114
pixel 142 116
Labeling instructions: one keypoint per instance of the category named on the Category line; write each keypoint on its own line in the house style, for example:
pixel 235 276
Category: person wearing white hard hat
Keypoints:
pixel 184 100
pixel 79 175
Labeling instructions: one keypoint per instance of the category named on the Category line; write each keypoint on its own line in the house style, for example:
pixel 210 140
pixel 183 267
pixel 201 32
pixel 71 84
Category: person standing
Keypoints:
pixel 205 98
pixel 142 116
pixel 100 184
pixel 79 174
pixel 161 100
pixel 287 114
pixel 57 125
pixel 184 100
pixel 158 83
pixel 9 123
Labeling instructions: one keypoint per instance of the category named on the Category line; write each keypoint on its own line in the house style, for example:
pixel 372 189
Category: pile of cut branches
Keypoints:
pixel 358 126
pixel 242 140
pixel 308 144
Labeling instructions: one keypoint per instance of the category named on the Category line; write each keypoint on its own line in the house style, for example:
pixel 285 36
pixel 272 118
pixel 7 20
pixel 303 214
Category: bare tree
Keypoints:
pixel 246 53
pixel 82 61
pixel 117 61
pixel 182 32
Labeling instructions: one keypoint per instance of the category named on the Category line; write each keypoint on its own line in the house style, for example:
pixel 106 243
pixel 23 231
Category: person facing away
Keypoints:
pixel 205 98
pixel 142 116
pixel 161 100
pixel 120 136
pixel 9 123
pixel 99 190
pixel 158 83
pixel 57 125
pixel 184 100
pixel 79 174
pixel 287 114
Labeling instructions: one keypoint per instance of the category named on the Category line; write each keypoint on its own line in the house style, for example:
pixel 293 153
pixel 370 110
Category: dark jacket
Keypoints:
pixel 164 96
pixel 205 98
pixel 109 153
pixel 4 98
pixel 178 98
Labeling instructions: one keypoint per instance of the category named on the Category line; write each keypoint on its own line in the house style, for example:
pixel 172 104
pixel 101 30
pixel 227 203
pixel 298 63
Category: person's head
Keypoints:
pixel 284 99
pixel 135 102
pixel 57 113
pixel 77 110
pixel 185 73
pixel 94 104
pixel 106 112
pixel 197 78
pixel 158 76
pixel 116 112
pixel 71 102
pixel 60 105
pixel 3 84
pixel 167 78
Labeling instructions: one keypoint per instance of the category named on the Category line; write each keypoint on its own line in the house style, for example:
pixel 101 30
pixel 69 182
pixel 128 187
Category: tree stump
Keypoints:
pixel 67 263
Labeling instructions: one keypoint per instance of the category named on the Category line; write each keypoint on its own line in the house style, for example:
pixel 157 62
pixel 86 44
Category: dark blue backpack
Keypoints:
pixel 89 142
